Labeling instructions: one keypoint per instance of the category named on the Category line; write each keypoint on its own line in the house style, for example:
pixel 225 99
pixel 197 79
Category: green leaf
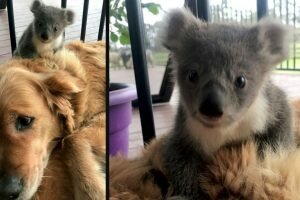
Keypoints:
pixel 122 12
pixel 113 37
pixel 153 8
pixel 124 39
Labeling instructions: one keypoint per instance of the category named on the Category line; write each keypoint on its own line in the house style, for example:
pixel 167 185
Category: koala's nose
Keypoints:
pixel 44 36
pixel 10 186
pixel 212 105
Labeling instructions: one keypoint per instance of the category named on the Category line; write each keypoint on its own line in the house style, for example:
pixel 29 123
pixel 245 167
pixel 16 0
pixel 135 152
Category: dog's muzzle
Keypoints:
pixel 10 187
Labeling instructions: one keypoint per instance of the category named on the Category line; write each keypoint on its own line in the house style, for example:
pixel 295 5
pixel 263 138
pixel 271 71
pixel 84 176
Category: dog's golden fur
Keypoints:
pixel 235 172
pixel 72 173
pixel 131 179
pixel 65 93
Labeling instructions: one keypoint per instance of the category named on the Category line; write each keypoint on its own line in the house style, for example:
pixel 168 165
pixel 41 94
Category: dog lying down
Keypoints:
pixel 53 125
pixel 234 173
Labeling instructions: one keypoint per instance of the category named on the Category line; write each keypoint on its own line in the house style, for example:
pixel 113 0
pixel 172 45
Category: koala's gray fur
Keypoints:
pixel 216 108
pixel 45 33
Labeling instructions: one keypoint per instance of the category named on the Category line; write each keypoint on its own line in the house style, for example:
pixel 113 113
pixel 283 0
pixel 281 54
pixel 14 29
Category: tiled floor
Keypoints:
pixel 164 114
pixel 23 17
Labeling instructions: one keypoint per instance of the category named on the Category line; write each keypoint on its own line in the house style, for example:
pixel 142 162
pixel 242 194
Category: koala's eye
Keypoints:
pixel 40 24
pixel 193 76
pixel 55 29
pixel 23 122
pixel 240 82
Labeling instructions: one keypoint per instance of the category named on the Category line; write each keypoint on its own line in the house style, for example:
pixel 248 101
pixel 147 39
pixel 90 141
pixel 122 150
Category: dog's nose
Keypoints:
pixel 211 106
pixel 44 36
pixel 10 186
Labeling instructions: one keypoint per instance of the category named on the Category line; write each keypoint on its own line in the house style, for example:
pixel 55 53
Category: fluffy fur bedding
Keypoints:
pixel 235 172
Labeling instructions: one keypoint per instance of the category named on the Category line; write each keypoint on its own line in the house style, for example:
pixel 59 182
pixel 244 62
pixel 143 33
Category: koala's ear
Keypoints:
pixel 69 17
pixel 36 5
pixel 176 24
pixel 273 40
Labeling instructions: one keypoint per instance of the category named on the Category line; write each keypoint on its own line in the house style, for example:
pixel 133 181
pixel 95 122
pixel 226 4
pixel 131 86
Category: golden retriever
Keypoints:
pixel 43 101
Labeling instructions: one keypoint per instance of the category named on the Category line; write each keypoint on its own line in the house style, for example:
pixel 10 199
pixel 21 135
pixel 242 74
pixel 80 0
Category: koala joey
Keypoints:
pixel 226 93
pixel 46 33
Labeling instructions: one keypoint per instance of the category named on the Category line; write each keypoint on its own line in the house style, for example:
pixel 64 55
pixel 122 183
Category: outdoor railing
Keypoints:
pixel 283 10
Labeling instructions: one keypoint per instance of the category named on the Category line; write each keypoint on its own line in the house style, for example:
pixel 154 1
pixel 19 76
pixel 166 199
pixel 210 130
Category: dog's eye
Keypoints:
pixel 40 24
pixel 193 76
pixel 23 122
pixel 240 82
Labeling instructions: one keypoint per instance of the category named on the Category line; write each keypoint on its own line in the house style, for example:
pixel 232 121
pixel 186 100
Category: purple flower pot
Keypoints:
pixel 120 114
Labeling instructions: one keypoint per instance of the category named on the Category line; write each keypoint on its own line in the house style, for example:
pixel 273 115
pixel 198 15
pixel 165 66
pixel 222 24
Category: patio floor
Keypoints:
pixel 164 114
pixel 23 18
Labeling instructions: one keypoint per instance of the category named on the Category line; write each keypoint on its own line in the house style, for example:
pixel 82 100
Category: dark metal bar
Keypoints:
pixel 280 14
pixel 137 35
pixel 63 3
pixel 218 11
pixel 287 69
pixel 167 84
pixel 11 23
pixel 294 43
pixel 287 22
pixel 231 13
pixel 166 88
pixel 203 9
pixel 222 11
pixel 102 20
pixel 262 8
pixel 280 9
pixel 212 10
pixel 3 4
pixel 274 10
pixel 84 19
pixel 192 5
pixel 241 17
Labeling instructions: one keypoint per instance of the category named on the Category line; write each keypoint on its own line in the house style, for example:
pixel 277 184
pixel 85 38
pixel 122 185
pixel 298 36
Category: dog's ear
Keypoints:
pixel 179 24
pixel 59 88
pixel 273 39
pixel 36 5
pixel 68 17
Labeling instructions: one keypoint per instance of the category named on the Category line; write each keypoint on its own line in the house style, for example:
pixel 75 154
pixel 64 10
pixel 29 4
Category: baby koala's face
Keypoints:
pixel 49 22
pixel 222 68
pixel 47 28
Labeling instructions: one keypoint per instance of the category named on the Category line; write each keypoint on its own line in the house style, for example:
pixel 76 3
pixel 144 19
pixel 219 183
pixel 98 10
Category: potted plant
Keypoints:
pixel 120 114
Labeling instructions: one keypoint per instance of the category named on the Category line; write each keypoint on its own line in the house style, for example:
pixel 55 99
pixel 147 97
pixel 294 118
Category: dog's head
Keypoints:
pixel 50 22
pixel 221 68
pixel 35 110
